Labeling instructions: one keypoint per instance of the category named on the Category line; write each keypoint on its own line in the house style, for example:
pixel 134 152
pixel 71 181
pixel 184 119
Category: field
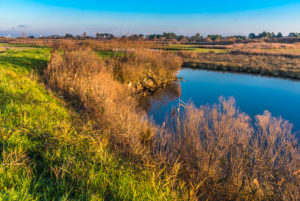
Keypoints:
pixel 254 47
pixel 274 59
pixel 71 128
pixel 195 48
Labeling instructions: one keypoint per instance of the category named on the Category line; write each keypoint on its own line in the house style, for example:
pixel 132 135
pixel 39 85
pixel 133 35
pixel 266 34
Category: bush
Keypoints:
pixel 225 157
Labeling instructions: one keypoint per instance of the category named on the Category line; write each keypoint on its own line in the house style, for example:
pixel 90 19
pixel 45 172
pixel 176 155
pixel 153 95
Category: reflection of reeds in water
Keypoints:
pixel 179 103
pixel 161 96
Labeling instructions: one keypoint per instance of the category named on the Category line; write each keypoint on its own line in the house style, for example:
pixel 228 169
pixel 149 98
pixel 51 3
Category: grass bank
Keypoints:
pixel 48 152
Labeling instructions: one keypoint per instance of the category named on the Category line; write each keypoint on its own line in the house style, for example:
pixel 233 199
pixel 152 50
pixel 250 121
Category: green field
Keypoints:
pixel 48 153
pixel 110 54
pixel 194 48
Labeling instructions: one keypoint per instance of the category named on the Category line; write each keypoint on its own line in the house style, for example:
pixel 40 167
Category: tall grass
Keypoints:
pixel 225 157
pixel 82 75
pixel 264 45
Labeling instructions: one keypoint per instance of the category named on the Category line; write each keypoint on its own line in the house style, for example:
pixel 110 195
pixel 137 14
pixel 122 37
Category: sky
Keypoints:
pixel 126 17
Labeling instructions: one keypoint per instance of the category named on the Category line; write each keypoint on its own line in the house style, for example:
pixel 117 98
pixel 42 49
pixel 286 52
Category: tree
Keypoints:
pixel 180 37
pixel 252 35
pixel 279 35
pixel 273 35
pixel 214 37
pixel 293 34
pixel 105 36
pixel 154 36
pixel 68 35
pixel 169 35
pixel 134 37
pixel 197 38
pixel 262 34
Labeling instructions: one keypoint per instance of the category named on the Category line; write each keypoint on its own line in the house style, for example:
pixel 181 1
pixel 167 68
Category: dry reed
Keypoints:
pixel 224 157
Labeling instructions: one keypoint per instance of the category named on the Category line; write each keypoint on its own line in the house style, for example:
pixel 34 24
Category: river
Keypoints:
pixel 253 94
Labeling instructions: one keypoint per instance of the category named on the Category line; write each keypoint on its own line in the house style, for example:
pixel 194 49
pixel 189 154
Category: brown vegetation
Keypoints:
pixel 83 76
pixel 27 41
pixel 264 45
pixel 100 86
pixel 269 49
pixel 262 64
pixel 224 157
pixel 133 63
pixel 87 80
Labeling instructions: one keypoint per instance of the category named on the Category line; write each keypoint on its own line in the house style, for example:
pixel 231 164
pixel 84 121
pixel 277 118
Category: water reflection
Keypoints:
pixel 161 97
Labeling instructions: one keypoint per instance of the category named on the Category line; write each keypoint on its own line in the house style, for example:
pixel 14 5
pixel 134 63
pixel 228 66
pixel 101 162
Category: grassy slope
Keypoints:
pixel 43 155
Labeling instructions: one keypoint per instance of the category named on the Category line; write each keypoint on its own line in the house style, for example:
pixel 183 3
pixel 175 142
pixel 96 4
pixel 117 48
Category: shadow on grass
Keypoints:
pixel 27 63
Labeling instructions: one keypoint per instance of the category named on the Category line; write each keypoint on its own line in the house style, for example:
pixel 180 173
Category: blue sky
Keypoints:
pixel 126 17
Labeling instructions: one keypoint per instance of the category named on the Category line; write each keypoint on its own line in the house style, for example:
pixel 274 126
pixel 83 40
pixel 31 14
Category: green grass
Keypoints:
pixel 110 54
pixel 4 44
pixel 25 60
pixel 194 48
pixel 47 153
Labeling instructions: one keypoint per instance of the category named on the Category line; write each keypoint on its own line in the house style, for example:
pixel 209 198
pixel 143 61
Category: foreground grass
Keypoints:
pixel 47 153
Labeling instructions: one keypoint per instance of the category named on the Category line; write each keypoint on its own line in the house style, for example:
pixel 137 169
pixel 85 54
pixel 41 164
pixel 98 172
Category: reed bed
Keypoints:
pixel 264 45
pixel 82 75
pixel 268 49
pixel 224 156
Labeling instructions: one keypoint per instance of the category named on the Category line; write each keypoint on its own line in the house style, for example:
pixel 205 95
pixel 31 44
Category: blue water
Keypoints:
pixel 253 94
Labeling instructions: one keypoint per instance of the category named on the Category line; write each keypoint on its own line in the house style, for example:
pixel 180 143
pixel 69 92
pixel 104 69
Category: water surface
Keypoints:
pixel 253 94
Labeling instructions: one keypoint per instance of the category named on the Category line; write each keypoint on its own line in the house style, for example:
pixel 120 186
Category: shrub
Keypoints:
pixel 225 157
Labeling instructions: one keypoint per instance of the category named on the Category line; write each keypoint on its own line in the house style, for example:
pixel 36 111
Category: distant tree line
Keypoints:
pixel 265 34
pixel 172 37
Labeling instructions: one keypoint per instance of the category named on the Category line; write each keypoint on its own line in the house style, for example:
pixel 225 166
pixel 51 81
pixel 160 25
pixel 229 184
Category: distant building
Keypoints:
pixel 83 35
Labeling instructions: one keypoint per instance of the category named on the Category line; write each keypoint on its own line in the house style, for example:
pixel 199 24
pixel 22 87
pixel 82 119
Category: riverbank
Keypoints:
pixel 270 65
